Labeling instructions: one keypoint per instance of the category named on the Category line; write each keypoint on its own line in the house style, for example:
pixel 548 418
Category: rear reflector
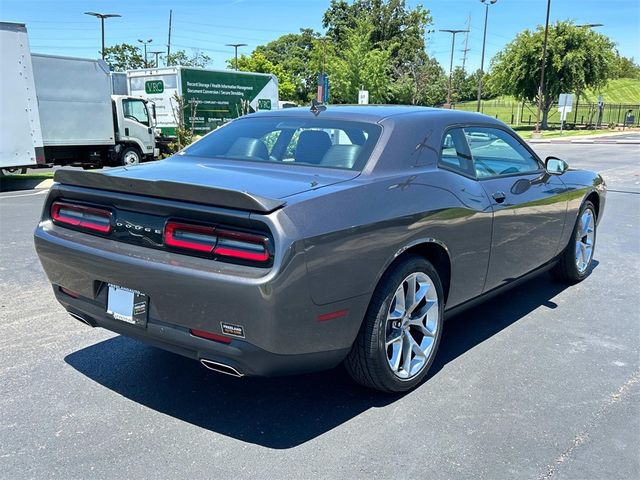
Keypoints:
pixel 71 293
pixel 81 216
pixel 217 242
pixel 332 315
pixel 210 336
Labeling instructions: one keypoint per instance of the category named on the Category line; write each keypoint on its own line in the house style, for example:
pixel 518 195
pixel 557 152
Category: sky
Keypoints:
pixel 60 27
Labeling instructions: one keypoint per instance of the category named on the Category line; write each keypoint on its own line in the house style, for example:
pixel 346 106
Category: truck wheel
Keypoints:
pixel 130 156
pixel 13 171
pixel 401 331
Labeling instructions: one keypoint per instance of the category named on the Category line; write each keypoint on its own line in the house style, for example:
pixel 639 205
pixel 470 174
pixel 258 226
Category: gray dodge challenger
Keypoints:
pixel 294 240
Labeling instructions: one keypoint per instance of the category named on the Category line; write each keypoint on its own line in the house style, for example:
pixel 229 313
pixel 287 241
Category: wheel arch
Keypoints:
pixel 432 250
pixel 594 198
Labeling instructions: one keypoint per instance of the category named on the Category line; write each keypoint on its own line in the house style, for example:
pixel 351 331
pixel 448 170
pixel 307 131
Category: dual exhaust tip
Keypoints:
pixel 221 368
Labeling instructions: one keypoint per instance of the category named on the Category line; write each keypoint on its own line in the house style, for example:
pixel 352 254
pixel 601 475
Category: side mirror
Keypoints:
pixel 555 166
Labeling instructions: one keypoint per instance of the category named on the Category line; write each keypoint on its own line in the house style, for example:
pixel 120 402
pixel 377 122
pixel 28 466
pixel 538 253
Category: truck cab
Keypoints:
pixel 134 121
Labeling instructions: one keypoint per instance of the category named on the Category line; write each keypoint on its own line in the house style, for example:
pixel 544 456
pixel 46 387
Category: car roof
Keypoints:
pixel 377 113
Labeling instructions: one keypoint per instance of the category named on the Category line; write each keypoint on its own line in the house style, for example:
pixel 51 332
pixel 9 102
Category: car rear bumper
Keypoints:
pixel 284 331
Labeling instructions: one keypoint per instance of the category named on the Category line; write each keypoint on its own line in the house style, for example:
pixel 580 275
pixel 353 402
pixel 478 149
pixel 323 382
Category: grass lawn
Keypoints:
pixel 525 132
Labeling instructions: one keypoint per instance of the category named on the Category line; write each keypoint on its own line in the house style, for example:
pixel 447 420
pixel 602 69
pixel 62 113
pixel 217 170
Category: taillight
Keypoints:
pixel 81 216
pixel 217 242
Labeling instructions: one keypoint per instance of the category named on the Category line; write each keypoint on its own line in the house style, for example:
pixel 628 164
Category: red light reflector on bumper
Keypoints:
pixel 210 336
pixel 81 216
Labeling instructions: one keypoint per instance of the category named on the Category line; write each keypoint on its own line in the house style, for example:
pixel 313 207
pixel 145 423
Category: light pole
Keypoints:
pixel 235 46
pixel 543 61
pixel 156 53
pixel 484 42
pixel 453 45
pixel 102 16
pixel 145 43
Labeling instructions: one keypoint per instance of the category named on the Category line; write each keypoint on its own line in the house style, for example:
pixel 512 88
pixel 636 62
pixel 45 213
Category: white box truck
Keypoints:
pixel 61 111
pixel 211 97
pixel 20 134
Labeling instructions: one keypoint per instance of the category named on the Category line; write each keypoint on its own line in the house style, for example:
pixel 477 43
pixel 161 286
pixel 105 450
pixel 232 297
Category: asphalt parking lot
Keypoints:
pixel 542 382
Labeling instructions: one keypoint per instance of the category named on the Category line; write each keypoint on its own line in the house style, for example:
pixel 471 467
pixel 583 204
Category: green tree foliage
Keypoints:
pixel 358 63
pixel 293 53
pixel 258 62
pixel 196 59
pixel 624 67
pixel 577 59
pixel 123 57
pixel 422 83
pixel 395 27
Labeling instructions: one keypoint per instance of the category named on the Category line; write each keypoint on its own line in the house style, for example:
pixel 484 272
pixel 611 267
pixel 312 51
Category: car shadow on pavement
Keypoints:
pixel 281 412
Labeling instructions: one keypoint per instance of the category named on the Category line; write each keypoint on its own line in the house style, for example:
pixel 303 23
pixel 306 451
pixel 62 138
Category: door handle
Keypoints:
pixel 499 197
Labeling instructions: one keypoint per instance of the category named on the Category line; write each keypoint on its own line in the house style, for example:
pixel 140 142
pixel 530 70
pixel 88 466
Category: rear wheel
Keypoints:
pixel 576 260
pixel 401 331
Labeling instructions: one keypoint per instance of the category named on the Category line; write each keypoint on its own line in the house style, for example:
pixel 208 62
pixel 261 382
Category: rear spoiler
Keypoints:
pixel 213 196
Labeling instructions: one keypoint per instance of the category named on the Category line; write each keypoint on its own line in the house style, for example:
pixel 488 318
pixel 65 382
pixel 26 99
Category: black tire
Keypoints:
pixel 130 156
pixel 367 361
pixel 13 171
pixel 567 268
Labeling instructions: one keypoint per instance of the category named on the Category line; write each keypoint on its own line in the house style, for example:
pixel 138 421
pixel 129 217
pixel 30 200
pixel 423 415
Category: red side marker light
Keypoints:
pixel 333 315
pixel 210 336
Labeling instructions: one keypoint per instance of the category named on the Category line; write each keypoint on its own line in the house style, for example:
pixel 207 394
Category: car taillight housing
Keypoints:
pixel 82 217
pixel 218 242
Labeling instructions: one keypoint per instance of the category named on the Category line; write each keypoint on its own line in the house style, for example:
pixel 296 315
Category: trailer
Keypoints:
pixel 20 134
pixel 210 98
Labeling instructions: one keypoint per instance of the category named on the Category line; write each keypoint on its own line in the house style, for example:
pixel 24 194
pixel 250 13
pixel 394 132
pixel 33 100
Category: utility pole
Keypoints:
pixel 156 53
pixel 543 62
pixel 235 46
pixel 453 46
pixel 145 43
pixel 169 40
pixel 102 16
pixel 466 44
pixel 484 42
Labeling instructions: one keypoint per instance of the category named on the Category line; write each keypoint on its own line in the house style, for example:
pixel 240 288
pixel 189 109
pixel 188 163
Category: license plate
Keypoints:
pixel 127 305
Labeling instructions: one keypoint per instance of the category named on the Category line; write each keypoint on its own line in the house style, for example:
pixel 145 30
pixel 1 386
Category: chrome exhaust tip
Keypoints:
pixel 221 368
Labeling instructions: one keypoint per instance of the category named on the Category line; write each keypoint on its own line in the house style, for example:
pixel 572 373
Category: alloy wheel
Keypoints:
pixel 412 323
pixel 585 235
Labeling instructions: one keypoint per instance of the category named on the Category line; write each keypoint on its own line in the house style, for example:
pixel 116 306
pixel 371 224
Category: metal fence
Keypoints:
pixel 583 114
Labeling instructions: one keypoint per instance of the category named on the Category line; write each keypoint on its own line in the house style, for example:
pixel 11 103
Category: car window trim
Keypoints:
pixel 507 130
pixel 439 163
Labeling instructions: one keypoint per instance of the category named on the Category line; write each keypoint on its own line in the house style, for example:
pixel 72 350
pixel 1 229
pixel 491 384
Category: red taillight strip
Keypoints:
pixel 190 237
pixel 81 216
pixel 244 246
pixel 210 336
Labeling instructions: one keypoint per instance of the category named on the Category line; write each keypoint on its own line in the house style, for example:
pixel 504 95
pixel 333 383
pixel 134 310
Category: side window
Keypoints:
pixel 455 154
pixel 135 110
pixel 495 153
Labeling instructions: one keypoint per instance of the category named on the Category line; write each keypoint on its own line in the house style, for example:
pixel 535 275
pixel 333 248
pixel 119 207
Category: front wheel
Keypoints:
pixel 130 156
pixel 401 331
pixel 576 260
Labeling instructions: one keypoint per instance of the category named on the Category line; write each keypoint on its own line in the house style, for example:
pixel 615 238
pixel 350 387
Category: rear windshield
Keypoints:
pixel 318 142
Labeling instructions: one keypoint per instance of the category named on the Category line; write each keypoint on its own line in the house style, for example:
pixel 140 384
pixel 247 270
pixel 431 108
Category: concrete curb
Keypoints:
pixel 18 184
pixel 599 141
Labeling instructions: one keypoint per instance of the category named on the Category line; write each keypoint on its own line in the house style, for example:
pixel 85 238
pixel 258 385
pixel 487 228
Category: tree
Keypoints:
pixel 577 59
pixel 123 57
pixel 423 83
pixel 624 67
pixel 196 59
pixel 257 62
pixel 395 27
pixel 358 63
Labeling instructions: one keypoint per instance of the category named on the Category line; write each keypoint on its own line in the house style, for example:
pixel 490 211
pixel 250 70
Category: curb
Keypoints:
pixel 18 184
pixel 602 141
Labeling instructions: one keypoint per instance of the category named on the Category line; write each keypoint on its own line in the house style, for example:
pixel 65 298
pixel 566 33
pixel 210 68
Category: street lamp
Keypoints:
pixel 156 53
pixel 484 41
pixel 145 43
pixel 102 16
pixel 453 44
pixel 543 62
pixel 235 46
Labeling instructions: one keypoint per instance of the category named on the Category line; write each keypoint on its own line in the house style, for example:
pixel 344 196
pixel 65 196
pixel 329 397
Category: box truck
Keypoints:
pixel 80 121
pixel 210 97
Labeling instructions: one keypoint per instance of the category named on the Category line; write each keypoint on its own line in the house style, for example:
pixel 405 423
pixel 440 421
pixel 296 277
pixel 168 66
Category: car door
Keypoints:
pixel 528 204
pixel 137 124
